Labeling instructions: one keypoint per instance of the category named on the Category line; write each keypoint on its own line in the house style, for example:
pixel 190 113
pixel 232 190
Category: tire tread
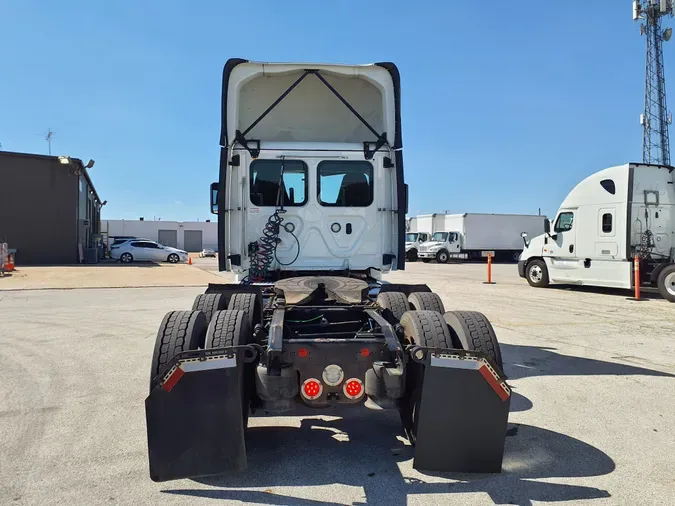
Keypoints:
pixel 179 331
pixel 479 332
pixel 426 301
pixel 396 302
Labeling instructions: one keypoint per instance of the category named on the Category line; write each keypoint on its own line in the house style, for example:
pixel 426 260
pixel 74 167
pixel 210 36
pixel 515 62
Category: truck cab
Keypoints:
pixel 413 240
pixel 440 247
pixel 311 175
pixel 604 223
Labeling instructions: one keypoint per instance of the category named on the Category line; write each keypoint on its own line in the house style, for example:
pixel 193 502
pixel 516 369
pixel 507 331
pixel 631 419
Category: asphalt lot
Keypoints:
pixel 593 374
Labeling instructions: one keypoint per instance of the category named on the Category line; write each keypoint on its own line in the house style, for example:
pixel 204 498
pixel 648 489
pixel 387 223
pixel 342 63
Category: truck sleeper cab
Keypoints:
pixel 311 209
pixel 607 220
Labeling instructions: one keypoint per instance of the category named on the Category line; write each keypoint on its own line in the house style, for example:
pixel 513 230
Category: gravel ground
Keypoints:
pixel 591 421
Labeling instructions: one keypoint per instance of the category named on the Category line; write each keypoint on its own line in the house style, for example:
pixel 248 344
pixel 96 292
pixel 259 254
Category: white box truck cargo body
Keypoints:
pixel 474 235
pixel 607 220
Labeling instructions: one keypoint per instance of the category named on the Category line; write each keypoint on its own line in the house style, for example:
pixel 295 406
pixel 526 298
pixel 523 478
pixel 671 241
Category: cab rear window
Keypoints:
pixel 344 183
pixel 265 178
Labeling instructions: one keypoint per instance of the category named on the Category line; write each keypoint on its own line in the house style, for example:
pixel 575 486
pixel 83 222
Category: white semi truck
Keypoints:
pixel 311 208
pixel 470 236
pixel 607 220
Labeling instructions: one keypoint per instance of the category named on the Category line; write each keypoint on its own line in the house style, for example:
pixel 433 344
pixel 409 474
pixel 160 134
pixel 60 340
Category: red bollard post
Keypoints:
pixel 489 274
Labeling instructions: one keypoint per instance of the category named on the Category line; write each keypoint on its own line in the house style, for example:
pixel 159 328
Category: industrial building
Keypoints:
pixel 49 209
pixel 185 235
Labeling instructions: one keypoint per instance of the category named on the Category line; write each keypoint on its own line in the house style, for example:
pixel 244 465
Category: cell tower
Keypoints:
pixel 655 119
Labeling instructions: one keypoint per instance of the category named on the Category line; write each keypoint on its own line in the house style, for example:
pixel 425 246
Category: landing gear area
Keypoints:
pixel 321 342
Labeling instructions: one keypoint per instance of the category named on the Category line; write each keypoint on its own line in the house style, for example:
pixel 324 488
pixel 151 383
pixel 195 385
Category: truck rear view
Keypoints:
pixel 311 208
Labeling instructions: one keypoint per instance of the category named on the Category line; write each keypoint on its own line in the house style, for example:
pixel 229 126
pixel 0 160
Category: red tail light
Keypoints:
pixel 353 388
pixel 312 389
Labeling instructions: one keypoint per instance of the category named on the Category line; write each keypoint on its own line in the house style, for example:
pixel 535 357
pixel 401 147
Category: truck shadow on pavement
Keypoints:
pixel 527 361
pixel 362 451
pixel 367 450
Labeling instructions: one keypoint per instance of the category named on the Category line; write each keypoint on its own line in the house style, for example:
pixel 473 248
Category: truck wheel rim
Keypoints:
pixel 535 273
pixel 669 283
pixel 444 257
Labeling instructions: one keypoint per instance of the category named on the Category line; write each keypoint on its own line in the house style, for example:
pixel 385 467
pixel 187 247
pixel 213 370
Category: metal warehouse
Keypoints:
pixel 186 235
pixel 49 209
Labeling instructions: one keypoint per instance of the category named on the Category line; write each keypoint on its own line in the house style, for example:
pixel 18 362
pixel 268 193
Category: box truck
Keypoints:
pixel 418 231
pixel 470 236
pixel 606 221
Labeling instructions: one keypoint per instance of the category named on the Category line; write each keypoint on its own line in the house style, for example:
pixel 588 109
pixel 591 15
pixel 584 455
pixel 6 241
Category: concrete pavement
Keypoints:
pixel 593 376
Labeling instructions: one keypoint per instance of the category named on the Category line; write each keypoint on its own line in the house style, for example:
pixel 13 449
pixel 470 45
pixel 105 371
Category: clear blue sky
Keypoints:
pixel 506 105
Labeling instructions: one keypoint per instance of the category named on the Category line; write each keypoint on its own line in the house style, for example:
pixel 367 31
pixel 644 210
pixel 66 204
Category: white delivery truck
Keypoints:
pixel 606 220
pixel 418 231
pixel 471 236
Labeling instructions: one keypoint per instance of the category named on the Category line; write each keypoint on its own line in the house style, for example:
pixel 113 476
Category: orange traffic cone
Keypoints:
pixel 9 265
pixel 189 260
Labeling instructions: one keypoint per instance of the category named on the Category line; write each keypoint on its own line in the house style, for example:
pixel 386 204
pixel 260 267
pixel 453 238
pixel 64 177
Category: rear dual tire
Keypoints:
pixel 472 331
pixel 467 330
pixel 398 303
pixel 210 303
pixel 179 331
pixel 232 328
pixel 427 329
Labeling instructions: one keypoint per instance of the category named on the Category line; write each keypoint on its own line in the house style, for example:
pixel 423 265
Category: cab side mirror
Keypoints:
pixel 214 198
pixel 547 226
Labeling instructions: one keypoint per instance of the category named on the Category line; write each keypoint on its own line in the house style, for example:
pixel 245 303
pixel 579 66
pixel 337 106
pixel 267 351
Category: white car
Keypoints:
pixel 147 251
pixel 207 252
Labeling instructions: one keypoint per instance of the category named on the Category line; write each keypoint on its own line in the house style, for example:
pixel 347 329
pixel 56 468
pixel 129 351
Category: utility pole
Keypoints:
pixel 655 119
pixel 48 138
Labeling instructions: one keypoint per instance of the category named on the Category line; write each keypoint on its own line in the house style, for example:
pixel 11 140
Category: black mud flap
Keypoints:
pixel 194 419
pixel 463 415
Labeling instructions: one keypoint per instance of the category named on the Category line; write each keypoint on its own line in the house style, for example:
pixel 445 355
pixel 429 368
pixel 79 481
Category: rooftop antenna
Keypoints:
pixel 48 138
pixel 655 119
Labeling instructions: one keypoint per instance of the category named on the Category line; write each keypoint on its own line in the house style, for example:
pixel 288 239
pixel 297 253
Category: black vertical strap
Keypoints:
pixel 276 102
pixel 347 104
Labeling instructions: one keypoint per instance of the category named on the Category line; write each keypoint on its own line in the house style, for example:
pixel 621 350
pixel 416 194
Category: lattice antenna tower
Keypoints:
pixel 655 119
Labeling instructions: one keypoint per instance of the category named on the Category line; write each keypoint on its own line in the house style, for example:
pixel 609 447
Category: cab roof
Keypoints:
pixel 310 102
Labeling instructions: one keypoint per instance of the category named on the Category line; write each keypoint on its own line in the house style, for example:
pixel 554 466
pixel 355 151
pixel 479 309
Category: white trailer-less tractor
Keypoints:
pixel 311 207
pixel 604 223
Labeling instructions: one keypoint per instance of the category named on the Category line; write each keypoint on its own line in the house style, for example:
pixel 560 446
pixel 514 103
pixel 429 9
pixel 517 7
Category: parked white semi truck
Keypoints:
pixel 606 220
pixel 311 208
pixel 470 236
